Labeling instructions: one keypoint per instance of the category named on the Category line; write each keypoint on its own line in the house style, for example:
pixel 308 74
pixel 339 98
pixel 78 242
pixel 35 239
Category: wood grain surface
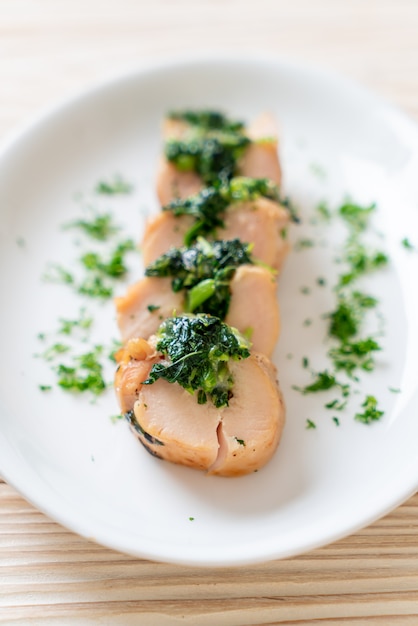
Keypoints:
pixel 53 48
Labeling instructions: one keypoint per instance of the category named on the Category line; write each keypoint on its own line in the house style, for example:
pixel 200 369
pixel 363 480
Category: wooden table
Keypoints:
pixel 49 49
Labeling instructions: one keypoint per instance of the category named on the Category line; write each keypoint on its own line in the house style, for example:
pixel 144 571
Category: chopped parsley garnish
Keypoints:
pixel 323 211
pixel 97 282
pixel 95 276
pixel 407 244
pixel 198 348
pixel 394 390
pixel 81 372
pixel 336 421
pixel 240 441
pixel 371 412
pixel 324 381
pixel 101 227
pixel 356 216
pixel 203 272
pixel 84 374
pixel 353 355
pixel 336 405
pixel 303 244
pixel 153 307
pixel 117 186
pixel 95 287
pixel 101 273
pixel 310 424
pixel 345 320
pixel 350 353
pixel 83 323
pixel 361 261
pixel 55 350
pixel 57 274
pixel 115 267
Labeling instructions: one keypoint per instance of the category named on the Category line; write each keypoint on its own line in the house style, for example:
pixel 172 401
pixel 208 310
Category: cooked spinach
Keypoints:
pixel 204 272
pixel 209 205
pixel 197 349
pixel 207 119
pixel 214 156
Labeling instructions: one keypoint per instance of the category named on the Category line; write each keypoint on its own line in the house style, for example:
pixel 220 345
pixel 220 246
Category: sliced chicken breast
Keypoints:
pixel 146 303
pixel 254 308
pixel 253 298
pixel 261 222
pixel 250 428
pixel 135 361
pixel 172 183
pixel 227 441
pixel 260 159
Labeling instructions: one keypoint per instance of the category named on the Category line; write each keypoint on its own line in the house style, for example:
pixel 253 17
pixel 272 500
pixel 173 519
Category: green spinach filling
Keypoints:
pixel 209 205
pixel 204 271
pixel 207 119
pixel 198 349
pixel 212 146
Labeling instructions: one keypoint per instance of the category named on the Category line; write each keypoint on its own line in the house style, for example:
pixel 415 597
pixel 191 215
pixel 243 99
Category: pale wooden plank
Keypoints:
pixel 76 576
pixel 241 612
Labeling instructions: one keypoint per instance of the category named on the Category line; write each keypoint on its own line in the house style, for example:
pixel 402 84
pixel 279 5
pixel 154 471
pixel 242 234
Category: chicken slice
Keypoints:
pixel 260 159
pixel 172 183
pixel 135 361
pixel 162 232
pixel 227 441
pixel 250 429
pixel 253 297
pixel 146 303
pixel 261 222
pixel 185 430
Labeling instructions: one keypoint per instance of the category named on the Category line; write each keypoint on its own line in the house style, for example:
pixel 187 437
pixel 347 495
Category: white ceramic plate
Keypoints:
pixel 66 456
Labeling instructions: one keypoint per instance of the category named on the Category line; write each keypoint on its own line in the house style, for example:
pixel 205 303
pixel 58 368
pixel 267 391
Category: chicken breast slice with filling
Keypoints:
pixel 250 429
pixel 228 441
pixel 261 222
pixel 146 303
pixel 260 159
pixel 170 182
pixel 253 297
pixel 135 361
